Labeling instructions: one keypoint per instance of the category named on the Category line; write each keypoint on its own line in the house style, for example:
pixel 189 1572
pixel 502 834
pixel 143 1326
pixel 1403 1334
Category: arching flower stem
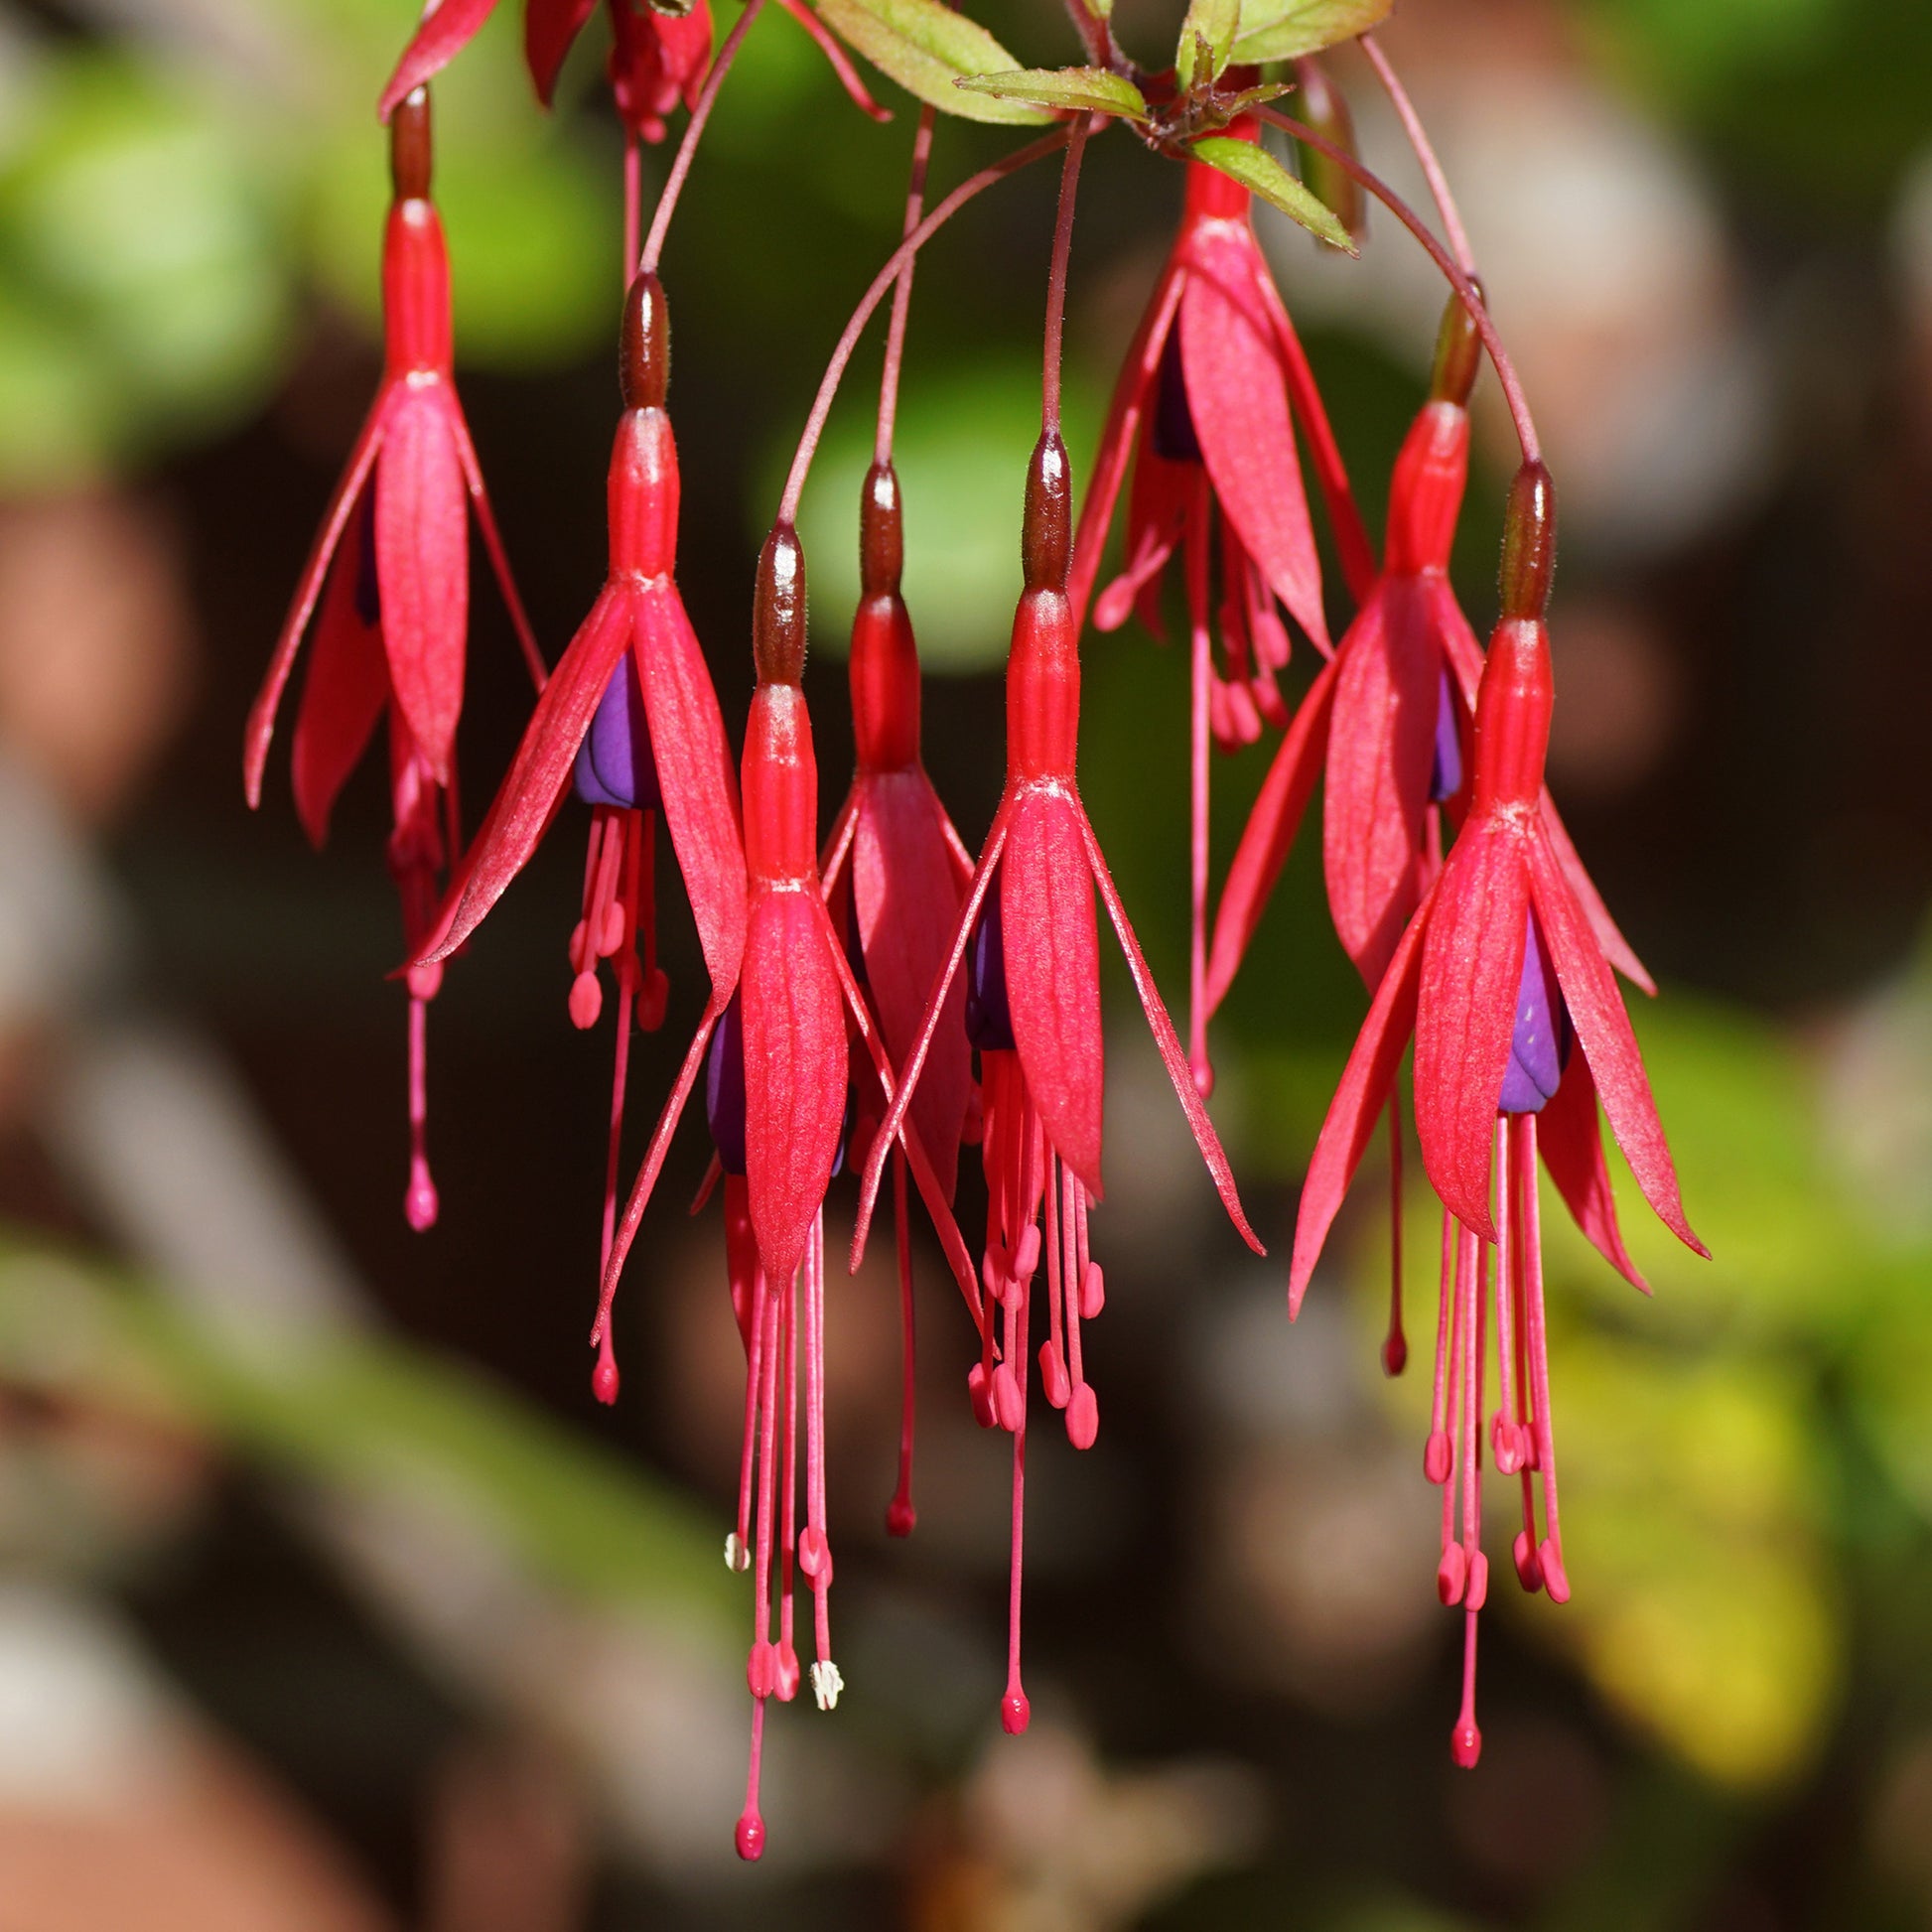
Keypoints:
pixel 1049 386
pixel 1461 283
pixel 882 448
pixel 1439 188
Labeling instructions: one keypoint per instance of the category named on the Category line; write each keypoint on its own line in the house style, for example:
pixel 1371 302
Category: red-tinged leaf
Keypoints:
pixel 341 698
pixel 1052 955
pixel 1381 750
pixel 695 774
pixel 1238 397
pixel 1466 659
pixel 1572 1151
pixel 1118 440
pixel 539 771
pixel 848 74
pixel 549 28
pixel 1268 834
pixel 912 1068
pixel 1471 973
pixel 906 898
pixel 444 34
pixel 422 567
pixel 1604 1033
pixel 1359 1099
pixel 1179 1074
pixel 794 1073
pixel 260 729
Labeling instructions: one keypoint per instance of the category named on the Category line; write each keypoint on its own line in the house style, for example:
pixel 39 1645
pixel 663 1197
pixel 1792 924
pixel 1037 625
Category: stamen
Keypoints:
pixel 1395 1348
pixel 419 1202
pixel 1200 688
pixel 1083 1406
pixel 814 1550
pixel 1052 1359
pixel 1452 1568
pixel 1504 1436
pixel 1437 1456
pixel 787 1681
pixel 900 1513
pixel 1465 1742
pixel 1550 1550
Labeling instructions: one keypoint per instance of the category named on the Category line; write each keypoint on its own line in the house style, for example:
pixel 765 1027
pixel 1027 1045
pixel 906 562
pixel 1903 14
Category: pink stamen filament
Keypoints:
pixel 1549 1553
pixel 901 1516
pixel 1201 682
pixel 420 1203
pixel 1395 1348
pixel 1512 387
pixel 788 1508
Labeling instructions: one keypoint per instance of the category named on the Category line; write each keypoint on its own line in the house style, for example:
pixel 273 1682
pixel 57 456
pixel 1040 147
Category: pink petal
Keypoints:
pixel 1269 833
pixel 794 1073
pixel 1117 441
pixel 260 729
pixel 549 27
pixel 346 687
pixel 695 774
pixel 1471 973
pixel 1052 955
pixel 1381 753
pixel 1179 1074
pixel 439 39
pixel 1603 1033
pixel 1572 1149
pixel 1358 1102
pixel 906 897
pixel 540 770
pixel 1238 397
pixel 422 568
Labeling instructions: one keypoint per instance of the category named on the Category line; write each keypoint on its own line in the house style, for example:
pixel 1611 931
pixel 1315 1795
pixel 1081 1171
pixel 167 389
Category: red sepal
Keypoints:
pixel 549 28
pixel 695 773
pixel 444 34
pixel 1571 1143
pixel 1052 961
pixel 347 685
pixel 1356 1109
pixel 1604 1033
pixel 1472 972
pixel 422 566
pixel 794 1073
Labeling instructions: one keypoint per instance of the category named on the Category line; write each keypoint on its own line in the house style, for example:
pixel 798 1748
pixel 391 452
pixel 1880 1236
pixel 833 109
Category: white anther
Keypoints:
pixel 737 1556
pixel 826 1684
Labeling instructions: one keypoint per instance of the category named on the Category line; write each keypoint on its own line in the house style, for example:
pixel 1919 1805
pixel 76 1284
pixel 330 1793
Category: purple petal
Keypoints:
pixel 614 763
pixel 1539 1045
pixel 1445 779
pixel 989 1019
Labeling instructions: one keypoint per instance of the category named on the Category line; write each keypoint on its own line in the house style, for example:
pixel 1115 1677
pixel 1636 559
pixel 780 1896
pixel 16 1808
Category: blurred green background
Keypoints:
pixel 327 1596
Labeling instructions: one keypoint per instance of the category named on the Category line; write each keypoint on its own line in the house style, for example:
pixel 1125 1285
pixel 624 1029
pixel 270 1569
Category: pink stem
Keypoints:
pixel 881 449
pixel 1049 392
pixel 1439 188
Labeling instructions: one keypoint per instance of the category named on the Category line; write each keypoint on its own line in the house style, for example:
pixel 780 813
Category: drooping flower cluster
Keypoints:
pixel 881 1002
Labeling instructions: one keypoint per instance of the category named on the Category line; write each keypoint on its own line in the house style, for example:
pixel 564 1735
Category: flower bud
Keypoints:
pixel 410 148
pixel 1459 354
pixel 1529 542
pixel 1325 108
pixel 882 533
pixel 645 346
pixel 1046 536
pixel 778 608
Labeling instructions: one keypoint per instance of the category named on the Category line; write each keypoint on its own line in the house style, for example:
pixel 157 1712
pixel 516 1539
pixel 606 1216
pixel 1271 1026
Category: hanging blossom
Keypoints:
pixel 773 1042
pixel 1033 1009
pixel 895 876
pixel 1520 1035
pixel 388 583
pixel 629 722
pixel 659 55
pixel 1205 413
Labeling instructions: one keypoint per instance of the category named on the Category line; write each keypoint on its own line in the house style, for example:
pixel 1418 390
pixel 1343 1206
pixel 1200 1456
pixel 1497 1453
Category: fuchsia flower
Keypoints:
pixel 1500 976
pixel 1033 1007
pixel 895 874
pixel 1205 410
pixel 388 583
pixel 630 721
pixel 659 56
pixel 773 1042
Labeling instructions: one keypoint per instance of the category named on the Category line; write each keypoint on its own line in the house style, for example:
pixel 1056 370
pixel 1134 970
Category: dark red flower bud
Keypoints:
pixel 645 346
pixel 1046 536
pixel 1529 542
pixel 882 533
pixel 778 608
pixel 1459 354
pixel 410 147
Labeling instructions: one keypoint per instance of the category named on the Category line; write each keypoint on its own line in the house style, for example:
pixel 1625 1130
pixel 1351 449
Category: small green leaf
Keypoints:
pixel 1083 90
pixel 1284 30
pixel 926 46
pixel 1206 35
pixel 1261 173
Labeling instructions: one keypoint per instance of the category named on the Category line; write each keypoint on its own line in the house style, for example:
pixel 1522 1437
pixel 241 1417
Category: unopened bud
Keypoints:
pixel 778 608
pixel 1324 107
pixel 1046 536
pixel 882 533
pixel 410 147
pixel 1459 354
pixel 1528 543
pixel 645 346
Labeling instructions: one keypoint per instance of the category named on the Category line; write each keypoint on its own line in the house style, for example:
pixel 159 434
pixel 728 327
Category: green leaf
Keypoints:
pixel 1261 173
pixel 1207 38
pixel 926 46
pixel 1089 89
pixel 1283 30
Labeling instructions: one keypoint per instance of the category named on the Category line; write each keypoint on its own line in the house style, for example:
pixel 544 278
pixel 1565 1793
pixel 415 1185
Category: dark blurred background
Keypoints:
pixel 328 1595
